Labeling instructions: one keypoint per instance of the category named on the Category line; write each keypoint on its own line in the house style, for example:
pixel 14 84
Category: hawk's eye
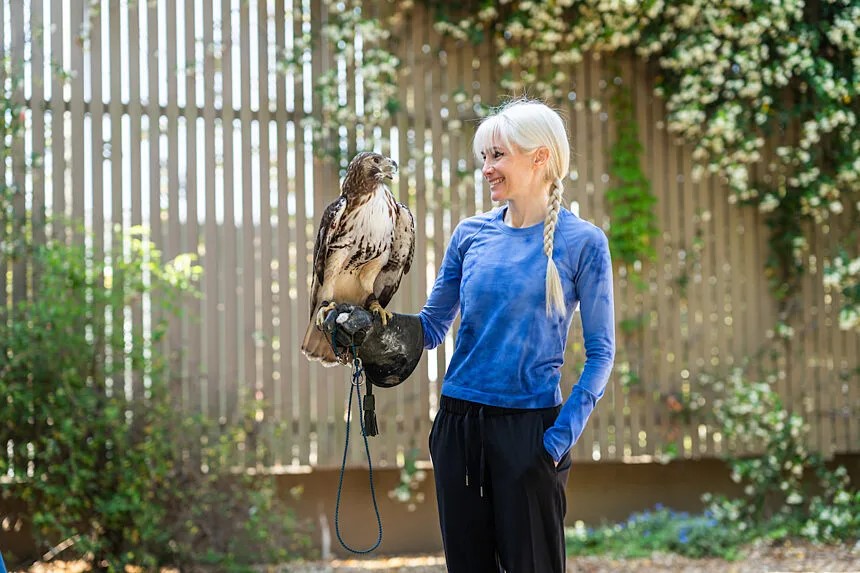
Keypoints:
pixel 376 160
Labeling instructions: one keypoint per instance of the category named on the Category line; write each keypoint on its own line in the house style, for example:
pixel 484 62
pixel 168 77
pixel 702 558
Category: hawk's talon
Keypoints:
pixel 323 311
pixel 383 314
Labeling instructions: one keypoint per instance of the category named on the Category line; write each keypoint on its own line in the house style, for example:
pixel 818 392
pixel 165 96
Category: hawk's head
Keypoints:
pixel 368 167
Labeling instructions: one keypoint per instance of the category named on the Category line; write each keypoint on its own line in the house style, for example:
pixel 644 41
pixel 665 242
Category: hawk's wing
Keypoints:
pixel 400 259
pixel 327 231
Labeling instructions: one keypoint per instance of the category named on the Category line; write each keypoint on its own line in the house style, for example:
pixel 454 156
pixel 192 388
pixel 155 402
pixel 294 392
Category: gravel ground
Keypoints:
pixel 795 557
pixel 759 558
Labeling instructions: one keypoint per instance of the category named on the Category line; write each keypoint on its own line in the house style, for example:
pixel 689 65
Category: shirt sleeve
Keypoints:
pixel 596 308
pixel 442 305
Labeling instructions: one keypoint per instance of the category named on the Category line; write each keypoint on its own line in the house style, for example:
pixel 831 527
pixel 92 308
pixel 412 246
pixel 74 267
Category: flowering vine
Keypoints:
pixel 740 79
pixel 843 275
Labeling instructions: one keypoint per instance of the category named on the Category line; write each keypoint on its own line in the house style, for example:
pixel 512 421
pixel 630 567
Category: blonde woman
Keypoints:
pixel 501 441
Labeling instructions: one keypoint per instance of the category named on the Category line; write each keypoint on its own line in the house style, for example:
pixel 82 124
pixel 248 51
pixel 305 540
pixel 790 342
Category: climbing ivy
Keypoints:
pixel 630 200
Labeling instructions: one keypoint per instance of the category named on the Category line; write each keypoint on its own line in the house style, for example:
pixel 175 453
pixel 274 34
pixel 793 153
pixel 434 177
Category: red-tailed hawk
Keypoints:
pixel 364 246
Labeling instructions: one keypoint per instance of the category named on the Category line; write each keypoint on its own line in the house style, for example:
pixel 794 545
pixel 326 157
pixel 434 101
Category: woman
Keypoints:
pixel 501 441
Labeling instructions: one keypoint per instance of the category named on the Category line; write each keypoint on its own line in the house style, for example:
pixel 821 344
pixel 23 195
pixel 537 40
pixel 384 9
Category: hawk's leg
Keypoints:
pixel 323 311
pixel 376 308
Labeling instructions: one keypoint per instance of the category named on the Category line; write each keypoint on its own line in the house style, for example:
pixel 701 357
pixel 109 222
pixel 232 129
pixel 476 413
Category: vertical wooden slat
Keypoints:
pixel 305 394
pixel 171 245
pixel 229 381
pixel 117 152
pixel 717 258
pixel 248 371
pixel 19 168
pixel 189 240
pixel 663 278
pixel 718 361
pixel 852 381
pixel 5 300
pixel 651 352
pixel 838 392
pixel 134 110
pixel 135 138
pixel 579 163
pixel 431 107
pixel 619 431
pixel 412 293
pixel 152 218
pixel 97 136
pixel 267 382
pixel 94 123
pixel 692 330
pixel 627 441
pixel 753 293
pixel 602 418
pixel 282 370
pixel 319 393
pixel 58 163
pixel 805 362
pixel 116 156
pixel 641 425
pixel 846 364
pixel 211 257
pixel 76 115
pixel 37 105
pixel 824 390
pixel 458 70
pixel 332 380
pixel 678 266
pixel 419 115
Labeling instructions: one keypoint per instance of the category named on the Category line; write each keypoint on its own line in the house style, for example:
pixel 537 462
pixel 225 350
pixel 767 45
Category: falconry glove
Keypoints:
pixel 388 353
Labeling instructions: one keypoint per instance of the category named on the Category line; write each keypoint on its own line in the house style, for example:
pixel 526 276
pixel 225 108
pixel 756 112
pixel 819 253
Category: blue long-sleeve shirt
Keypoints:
pixel 508 352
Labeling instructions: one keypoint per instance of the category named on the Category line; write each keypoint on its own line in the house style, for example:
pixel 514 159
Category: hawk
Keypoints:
pixel 364 246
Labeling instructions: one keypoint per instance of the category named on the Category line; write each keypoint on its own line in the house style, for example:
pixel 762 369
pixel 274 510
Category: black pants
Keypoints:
pixel 501 499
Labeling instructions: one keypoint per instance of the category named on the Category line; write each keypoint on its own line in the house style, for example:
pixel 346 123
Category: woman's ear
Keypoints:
pixel 541 156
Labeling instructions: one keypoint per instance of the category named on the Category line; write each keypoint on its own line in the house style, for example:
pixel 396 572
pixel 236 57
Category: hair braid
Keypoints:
pixel 554 292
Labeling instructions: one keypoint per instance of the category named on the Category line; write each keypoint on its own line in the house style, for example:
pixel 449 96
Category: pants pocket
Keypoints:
pixel 432 431
pixel 564 463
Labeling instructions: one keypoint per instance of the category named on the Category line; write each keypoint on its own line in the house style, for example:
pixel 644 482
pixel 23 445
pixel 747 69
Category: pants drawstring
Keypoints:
pixel 481 434
pixel 466 445
pixel 467 425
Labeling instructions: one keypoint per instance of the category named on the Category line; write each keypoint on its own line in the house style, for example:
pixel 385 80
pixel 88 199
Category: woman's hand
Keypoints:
pixel 347 325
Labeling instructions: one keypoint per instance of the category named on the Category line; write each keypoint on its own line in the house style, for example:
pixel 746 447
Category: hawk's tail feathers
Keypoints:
pixel 317 348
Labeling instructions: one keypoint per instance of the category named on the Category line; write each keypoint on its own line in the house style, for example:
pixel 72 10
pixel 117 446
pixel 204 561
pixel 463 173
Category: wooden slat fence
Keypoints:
pixel 175 115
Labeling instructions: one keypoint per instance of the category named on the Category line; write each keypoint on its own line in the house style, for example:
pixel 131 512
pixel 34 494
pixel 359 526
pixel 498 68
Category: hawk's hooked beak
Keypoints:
pixel 389 168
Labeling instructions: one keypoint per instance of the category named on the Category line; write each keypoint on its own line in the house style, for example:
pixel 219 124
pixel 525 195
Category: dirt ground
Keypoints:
pixel 760 558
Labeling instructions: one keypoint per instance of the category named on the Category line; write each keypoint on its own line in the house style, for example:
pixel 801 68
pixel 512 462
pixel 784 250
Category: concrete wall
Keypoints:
pixel 596 492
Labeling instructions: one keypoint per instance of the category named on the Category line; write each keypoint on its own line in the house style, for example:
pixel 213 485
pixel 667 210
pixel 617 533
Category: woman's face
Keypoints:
pixel 511 173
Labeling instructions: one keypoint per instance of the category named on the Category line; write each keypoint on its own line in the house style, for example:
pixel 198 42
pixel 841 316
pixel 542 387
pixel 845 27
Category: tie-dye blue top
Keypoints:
pixel 508 352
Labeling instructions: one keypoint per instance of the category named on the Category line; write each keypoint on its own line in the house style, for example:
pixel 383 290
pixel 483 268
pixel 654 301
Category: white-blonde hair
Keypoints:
pixel 527 125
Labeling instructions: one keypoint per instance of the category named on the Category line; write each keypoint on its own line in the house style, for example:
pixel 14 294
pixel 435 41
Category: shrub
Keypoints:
pixel 104 461
pixel 780 494
pixel 661 530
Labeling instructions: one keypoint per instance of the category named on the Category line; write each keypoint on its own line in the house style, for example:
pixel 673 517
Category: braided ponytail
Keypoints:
pixel 554 292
